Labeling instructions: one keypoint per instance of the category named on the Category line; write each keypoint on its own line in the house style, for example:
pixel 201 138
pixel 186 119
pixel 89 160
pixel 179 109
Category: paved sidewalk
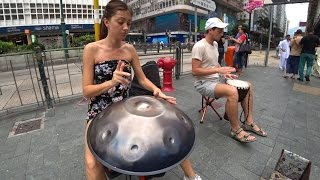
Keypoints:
pixel 288 110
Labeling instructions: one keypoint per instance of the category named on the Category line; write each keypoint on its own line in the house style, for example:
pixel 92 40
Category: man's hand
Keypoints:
pixel 230 76
pixel 226 70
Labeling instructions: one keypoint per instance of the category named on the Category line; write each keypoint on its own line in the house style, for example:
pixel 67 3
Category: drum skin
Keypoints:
pixel 141 136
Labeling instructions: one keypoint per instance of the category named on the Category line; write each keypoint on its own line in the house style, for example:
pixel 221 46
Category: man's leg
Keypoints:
pixel 247 106
pixel 231 93
pixel 302 63
pixel 310 61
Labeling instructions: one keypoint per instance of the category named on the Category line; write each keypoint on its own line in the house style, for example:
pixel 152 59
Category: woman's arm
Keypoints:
pixel 89 89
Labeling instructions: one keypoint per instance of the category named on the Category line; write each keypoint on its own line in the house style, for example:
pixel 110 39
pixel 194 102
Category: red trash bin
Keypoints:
pixel 228 58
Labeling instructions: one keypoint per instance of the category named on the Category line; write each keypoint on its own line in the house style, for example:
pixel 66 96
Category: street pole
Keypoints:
pixel 96 19
pixel 63 30
pixel 269 38
pixel 195 25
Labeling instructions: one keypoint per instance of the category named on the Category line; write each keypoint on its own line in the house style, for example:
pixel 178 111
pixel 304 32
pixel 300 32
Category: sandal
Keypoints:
pixel 249 127
pixel 243 139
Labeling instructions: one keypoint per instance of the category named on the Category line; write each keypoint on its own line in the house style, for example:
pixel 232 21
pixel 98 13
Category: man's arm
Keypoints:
pixel 197 70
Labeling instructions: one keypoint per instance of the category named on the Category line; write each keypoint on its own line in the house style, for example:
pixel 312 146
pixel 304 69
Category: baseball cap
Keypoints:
pixel 214 22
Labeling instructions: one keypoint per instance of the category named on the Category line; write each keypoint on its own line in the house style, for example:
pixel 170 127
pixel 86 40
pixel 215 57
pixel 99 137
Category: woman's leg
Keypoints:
pixel 187 168
pixel 94 170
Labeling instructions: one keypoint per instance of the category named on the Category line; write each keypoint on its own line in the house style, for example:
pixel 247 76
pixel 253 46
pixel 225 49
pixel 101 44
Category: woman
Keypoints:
pixel 239 55
pixel 107 73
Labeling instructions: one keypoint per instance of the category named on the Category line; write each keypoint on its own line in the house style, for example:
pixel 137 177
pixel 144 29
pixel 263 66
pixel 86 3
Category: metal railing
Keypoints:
pixel 41 79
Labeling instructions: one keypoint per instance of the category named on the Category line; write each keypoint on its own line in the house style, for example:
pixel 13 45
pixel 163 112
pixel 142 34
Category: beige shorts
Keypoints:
pixel 206 87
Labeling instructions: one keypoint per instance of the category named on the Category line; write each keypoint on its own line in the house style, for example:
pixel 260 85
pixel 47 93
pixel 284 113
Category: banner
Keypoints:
pixel 253 4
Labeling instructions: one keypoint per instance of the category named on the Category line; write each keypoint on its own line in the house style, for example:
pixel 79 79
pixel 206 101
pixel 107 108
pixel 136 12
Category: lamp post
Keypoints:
pixel 96 19
pixel 63 30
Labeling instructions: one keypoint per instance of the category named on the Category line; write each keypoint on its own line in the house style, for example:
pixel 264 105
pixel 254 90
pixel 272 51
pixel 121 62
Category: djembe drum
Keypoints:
pixel 242 87
pixel 141 136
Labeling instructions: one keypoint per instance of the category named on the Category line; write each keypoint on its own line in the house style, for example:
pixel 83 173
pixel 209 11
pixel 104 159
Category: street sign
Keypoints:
pixel 206 4
pixel 275 2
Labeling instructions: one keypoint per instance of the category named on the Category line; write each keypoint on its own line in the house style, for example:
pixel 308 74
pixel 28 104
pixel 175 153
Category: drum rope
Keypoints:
pixel 248 109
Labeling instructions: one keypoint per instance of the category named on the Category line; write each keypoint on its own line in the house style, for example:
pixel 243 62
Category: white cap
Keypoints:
pixel 215 22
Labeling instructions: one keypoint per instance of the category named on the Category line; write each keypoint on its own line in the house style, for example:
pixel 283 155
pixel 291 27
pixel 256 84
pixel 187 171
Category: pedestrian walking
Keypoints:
pixel 309 44
pixel 294 57
pixel 284 52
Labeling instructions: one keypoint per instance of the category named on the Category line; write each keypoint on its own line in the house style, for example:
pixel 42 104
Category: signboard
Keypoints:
pixel 253 4
pixel 205 4
pixel 275 2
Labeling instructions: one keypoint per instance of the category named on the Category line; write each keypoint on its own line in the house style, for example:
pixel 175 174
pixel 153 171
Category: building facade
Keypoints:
pixel 174 20
pixel 43 17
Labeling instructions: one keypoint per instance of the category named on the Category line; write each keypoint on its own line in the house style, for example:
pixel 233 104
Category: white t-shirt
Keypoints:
pixel 208 55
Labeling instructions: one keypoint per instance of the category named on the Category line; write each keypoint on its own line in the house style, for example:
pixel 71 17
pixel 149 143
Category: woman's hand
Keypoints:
pixel 158 93
pixel 119 76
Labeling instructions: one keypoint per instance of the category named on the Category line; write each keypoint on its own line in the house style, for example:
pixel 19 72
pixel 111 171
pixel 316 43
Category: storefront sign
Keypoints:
pixel 206 4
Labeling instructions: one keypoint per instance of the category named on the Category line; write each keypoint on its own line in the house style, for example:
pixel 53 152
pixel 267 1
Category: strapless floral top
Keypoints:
pixel 103 71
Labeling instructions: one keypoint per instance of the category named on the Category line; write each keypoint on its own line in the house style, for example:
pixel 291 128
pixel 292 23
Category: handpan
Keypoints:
pixel 141 136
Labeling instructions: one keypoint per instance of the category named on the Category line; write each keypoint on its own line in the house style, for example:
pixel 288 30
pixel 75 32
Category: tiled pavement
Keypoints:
pixel 291 118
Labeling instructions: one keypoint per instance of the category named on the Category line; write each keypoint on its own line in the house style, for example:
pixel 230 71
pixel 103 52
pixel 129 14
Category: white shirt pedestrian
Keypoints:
pixel 284 50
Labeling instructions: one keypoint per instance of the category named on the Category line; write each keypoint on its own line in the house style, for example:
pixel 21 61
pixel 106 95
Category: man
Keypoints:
pixel 284 52
pixel 294 57
pixel 206 70
pixel 309 44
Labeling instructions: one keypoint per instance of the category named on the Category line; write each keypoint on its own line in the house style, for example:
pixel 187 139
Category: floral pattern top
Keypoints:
pixel 103 71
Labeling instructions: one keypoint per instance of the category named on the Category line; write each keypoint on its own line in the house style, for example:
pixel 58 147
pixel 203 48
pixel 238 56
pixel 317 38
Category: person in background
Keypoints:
pixel 294 57
pixel 284 49
pixel 309 44
pixel 107 65
pixel 239 55
pixel 221 50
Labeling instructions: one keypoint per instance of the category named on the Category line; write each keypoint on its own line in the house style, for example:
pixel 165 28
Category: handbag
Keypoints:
pixel 245 47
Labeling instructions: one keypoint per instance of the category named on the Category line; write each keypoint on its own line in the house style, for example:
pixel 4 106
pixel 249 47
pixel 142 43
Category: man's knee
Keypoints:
pixel 232 94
